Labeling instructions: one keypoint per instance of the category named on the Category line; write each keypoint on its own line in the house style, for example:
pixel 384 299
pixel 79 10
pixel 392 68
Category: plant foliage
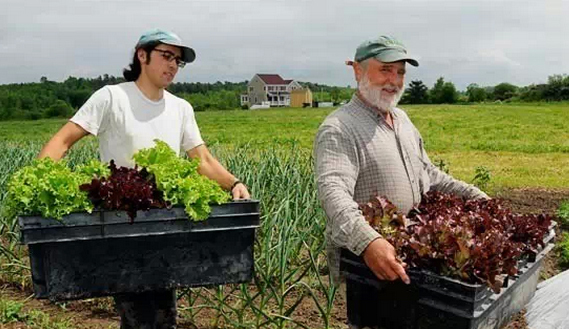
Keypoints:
pixel 50 189
pixel 472 240
pixel 125 189
pixel 180 181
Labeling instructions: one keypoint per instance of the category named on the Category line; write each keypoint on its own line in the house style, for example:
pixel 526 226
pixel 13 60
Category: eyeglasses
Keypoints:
pixel 170 56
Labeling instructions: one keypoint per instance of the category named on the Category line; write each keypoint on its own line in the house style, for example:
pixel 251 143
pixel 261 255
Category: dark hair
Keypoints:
pixel 133 71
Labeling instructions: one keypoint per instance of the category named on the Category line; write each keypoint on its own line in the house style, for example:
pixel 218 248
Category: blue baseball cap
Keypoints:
pixel 167 38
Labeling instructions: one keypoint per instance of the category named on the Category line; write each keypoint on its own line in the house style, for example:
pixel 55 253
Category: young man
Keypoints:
pixel 128 117
pixel 369 147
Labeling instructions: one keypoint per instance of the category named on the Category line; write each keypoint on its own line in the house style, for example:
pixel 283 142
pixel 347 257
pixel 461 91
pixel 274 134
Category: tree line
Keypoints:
pixel 46 99
pixel 445 92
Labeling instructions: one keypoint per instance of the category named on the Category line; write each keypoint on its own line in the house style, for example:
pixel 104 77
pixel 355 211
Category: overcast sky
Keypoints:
pixel 486 42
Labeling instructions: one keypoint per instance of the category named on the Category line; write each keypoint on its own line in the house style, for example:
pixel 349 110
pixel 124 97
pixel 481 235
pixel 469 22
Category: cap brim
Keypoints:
pixel 392 55
pixel 188 54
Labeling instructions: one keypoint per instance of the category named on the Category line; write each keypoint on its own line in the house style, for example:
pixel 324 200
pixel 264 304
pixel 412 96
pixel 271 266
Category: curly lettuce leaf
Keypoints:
pixel 180 181
pixel 46 188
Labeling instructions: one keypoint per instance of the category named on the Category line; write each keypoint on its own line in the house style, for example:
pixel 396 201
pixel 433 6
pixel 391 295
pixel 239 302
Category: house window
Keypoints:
pixel 265 88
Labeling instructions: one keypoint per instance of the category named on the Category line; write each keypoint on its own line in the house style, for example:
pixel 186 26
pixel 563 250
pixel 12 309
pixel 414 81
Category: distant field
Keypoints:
pixel 522 145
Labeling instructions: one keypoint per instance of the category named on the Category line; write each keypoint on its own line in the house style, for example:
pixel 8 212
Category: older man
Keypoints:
pixel 370 147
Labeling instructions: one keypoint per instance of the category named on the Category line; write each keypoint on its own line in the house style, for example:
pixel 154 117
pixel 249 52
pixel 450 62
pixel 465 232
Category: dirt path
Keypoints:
pixel 533 200
pixel 91 314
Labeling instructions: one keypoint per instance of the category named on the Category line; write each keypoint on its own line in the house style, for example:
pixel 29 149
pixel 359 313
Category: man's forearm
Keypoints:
pixel 212 169
pixel 443 182
pixel 62 141
pixel 54 149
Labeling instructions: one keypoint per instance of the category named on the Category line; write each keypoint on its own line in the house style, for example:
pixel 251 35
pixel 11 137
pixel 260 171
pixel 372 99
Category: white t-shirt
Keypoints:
pixel 126 121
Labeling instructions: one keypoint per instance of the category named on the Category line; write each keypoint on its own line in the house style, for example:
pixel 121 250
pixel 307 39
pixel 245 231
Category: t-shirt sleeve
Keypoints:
pixel 191 136
pixel 91 115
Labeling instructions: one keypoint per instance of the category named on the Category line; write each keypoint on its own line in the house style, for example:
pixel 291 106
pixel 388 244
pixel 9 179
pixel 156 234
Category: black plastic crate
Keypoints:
pixel 103 253
pixel 433 301
pixel 460 296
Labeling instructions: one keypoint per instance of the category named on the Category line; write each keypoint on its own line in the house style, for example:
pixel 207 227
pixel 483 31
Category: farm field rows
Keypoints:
pixel 525 148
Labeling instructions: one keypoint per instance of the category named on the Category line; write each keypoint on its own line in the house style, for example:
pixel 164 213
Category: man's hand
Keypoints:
pixel 380 257
pixel 240 192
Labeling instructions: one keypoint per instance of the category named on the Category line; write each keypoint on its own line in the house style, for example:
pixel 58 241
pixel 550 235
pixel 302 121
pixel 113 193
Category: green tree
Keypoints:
pixel 557 88
pixel 335 94
pixel 475 93
pixel 346 93
pixel 321 96
pixel 417 93
pixel 59 109
pixel 444 92
pixel 533 93
pixel 78 97
pixel 213 100
pixel 435 94
pixel 450 94
pixel 6 110
pixel 504 91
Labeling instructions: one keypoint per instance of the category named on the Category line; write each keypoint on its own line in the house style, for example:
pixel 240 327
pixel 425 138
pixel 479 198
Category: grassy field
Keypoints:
pixel 521 145
pixel 270 150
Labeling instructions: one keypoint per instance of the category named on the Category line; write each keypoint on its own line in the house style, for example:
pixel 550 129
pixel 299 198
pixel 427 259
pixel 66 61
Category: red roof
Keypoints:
pixel 272 79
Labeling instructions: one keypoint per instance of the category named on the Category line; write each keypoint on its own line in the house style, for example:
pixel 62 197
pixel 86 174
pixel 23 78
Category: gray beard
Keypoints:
pixel 373 95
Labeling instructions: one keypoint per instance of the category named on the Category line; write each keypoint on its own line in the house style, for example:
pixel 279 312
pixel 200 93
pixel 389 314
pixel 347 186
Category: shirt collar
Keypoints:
pixel 357 101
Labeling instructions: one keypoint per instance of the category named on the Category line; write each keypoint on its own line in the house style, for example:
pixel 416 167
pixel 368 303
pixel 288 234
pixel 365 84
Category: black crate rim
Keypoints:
pixel 103 224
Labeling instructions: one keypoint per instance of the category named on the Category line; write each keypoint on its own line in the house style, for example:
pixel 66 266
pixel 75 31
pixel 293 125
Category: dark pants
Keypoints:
pixel 147 310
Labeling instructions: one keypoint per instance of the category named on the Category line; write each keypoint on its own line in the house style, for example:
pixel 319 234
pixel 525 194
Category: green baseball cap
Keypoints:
pixel 168 38
pixel 385 49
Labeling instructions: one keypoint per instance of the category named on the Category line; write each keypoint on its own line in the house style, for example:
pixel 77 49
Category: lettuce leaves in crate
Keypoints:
pixel 50 189
pixel 180 181
pixel 477 241
pixel 125 189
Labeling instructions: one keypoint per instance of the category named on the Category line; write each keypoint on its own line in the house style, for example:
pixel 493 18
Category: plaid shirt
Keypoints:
pixel 358 156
